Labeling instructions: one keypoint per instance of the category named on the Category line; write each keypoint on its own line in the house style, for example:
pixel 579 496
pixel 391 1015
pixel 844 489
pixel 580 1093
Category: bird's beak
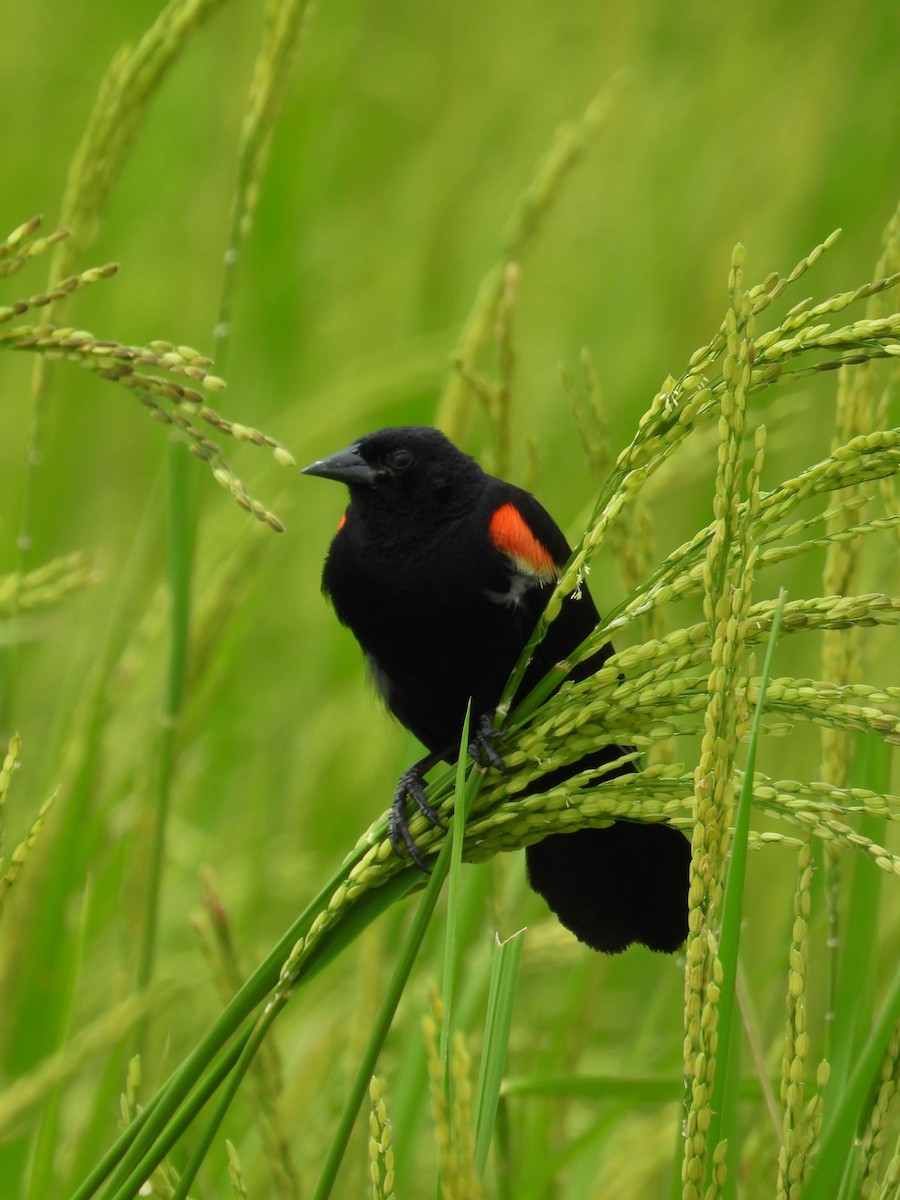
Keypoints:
pixel 347 466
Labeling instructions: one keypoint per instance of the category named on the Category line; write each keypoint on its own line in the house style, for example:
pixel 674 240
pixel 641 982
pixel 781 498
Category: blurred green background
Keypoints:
pixel 407 134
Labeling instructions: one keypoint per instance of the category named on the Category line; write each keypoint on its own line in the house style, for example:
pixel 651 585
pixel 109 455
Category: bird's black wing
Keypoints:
pixel 610 886
pixel 522 529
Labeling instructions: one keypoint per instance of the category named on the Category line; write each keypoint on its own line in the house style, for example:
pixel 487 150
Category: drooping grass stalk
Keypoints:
pixel 131 81
pixel 20 246
pixel 165 379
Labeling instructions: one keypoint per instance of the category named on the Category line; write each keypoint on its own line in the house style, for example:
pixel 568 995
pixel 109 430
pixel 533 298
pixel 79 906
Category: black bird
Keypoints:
pixel 441 572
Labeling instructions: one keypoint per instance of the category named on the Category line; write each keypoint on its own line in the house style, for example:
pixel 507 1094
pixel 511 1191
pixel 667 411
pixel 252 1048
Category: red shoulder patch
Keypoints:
pixel 342 522
pixel 511 535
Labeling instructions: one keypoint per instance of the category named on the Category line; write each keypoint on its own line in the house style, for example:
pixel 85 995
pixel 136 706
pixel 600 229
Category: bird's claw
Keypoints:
pixel 482 749
pixel 410 785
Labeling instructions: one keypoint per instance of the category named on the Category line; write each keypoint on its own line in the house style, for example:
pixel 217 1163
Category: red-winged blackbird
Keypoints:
pixel 441 572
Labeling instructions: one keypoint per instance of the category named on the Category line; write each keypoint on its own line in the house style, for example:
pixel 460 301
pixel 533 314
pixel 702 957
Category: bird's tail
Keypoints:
pixel 611 887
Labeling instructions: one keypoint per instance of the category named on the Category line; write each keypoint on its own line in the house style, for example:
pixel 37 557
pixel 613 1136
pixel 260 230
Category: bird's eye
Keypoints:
pixel 398 460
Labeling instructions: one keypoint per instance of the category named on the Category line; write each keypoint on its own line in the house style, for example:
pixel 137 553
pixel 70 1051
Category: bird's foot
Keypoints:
pixel 482 749
pixel 411 785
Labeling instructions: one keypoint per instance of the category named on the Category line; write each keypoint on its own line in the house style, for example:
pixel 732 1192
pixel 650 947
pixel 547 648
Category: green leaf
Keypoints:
pixel 507 959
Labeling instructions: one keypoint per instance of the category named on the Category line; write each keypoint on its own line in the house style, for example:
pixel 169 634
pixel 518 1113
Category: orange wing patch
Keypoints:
pixel 510 534
pixel 342 522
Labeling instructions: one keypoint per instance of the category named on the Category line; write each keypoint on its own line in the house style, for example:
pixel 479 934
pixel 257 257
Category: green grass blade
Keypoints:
pixel 629 1088
pixel 179 1102
pixel 451 940
pixel 505 965
pixel 402 970
pixel 41 1174
pixel 141 1133
pixel 233 1064
pixel 232 1083
pixel 837 1138
pixel 179 556
pixel 859 949
pixel 222 1069
pixel 859 953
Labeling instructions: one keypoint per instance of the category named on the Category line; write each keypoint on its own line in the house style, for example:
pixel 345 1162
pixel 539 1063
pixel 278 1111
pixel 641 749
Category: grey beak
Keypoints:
pixel 347 466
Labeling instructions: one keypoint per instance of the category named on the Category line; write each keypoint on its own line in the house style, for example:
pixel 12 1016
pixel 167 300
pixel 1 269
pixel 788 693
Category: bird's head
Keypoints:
pixel 404 466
